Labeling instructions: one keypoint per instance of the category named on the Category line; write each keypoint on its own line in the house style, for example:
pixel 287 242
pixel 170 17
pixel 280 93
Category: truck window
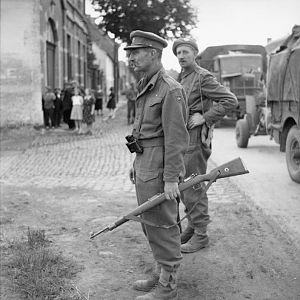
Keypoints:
pixel 216 65
pixel 241 64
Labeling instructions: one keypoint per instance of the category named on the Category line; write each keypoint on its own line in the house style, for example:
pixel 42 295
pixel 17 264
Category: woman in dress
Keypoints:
pixel 88 111
pixel 111 104
pixel 76 113
pixel 99 101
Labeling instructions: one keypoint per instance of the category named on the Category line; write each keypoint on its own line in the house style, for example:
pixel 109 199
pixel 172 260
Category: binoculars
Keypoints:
pixel 133 144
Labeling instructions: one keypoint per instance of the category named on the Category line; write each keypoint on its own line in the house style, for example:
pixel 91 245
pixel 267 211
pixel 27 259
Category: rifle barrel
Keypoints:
pixel 94 234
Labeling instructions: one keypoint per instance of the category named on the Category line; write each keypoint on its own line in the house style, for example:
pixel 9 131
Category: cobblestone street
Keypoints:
pixel 62 158
pixel 99 162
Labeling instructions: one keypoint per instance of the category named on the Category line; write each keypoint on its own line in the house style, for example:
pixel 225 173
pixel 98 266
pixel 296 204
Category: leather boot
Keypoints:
pixel 187 234
pixel 146 285
pixel 198 241
pixel 166 288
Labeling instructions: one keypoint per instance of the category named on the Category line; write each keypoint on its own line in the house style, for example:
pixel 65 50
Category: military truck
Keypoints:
pixel 280 118
pixel 240 68
pixel 283 98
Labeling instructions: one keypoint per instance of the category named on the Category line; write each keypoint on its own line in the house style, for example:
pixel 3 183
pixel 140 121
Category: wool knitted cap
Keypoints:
pixel 187 42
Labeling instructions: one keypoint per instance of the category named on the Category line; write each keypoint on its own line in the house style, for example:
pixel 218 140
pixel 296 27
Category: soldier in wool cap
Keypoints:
pixel 202 89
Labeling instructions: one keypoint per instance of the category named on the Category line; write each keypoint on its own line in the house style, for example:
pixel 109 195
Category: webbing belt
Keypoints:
pixel 154 142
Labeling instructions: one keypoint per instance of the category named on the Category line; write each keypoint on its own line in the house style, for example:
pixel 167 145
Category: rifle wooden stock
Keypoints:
pixel 231 168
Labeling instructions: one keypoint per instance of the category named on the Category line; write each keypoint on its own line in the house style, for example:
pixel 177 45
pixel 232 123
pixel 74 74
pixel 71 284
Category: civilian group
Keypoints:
pixel 74 106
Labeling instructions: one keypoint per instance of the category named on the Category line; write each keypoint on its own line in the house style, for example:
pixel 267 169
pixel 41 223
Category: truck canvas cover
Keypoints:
pixel 284 70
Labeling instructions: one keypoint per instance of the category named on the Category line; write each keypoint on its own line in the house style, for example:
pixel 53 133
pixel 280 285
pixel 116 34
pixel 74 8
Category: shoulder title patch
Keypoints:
pixel 178 98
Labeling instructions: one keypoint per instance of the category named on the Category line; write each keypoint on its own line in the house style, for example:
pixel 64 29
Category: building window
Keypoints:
pixel 69 58
pixel 50 32
pixel 84 65
pixel 79 63
pixel 51 53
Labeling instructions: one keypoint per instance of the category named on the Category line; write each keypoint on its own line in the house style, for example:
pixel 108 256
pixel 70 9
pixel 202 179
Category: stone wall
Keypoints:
pixel 20 93
pixel 29 30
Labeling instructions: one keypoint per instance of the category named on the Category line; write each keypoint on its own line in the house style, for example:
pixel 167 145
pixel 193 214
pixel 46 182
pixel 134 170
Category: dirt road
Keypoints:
pixel 71 185
pixel 268 184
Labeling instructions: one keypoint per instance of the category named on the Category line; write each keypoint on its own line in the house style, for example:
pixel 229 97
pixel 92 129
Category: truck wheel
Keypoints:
pixel 242 133
pixel 292 153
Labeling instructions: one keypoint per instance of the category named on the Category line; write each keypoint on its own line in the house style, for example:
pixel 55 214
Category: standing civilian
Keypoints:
pixel 67 105
pixel 131 95
pixel 88 111
pixel 49 99
pixel 99 101
pixel 57 107
pixel 76 113
pixel 111 104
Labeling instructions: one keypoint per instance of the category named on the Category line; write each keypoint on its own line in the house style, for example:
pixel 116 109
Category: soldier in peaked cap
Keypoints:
pixel 202 89
pixel 160 128
pixel 145 39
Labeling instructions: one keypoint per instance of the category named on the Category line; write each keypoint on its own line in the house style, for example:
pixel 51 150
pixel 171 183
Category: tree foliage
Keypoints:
pixel 168 18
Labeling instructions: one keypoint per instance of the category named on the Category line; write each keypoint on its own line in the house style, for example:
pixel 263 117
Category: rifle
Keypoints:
pixel 231 168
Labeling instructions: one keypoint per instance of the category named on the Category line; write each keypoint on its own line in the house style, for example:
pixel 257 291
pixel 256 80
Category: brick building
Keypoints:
pixel 43 43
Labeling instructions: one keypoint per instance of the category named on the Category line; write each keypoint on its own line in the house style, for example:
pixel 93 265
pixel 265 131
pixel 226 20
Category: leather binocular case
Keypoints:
pixel 133 144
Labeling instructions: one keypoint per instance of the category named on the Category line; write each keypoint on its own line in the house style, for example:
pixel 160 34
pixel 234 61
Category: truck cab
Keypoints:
pixel 240 68
pixel 241 73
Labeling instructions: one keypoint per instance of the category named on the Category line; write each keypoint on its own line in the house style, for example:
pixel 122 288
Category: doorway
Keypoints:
pixel 50 65
pixel 51 54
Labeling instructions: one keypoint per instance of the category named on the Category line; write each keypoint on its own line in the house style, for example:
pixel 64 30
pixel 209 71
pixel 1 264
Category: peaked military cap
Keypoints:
pixel 145 39
pixel 185 41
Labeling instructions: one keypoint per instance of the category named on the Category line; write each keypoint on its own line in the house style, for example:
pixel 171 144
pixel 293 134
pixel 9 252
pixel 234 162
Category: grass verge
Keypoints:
pixel 38 271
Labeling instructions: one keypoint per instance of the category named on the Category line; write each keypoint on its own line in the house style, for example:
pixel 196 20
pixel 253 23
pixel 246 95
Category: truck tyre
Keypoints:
pixel 292 153
pixel 242 133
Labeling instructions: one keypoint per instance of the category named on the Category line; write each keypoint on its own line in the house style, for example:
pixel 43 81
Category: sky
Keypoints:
pixel 223 22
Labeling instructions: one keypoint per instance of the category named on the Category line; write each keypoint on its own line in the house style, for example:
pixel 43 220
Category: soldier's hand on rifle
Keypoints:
pixel 171 190
pixel 131 175
pixel 195 120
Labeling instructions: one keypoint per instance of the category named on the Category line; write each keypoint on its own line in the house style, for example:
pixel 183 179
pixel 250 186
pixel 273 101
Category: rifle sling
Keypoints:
pixel 188 93
pixel 140 220
pixel 207 186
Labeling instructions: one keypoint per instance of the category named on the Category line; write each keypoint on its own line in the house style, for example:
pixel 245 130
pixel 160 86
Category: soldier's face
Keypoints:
pixel 186 56
pixel 140 60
